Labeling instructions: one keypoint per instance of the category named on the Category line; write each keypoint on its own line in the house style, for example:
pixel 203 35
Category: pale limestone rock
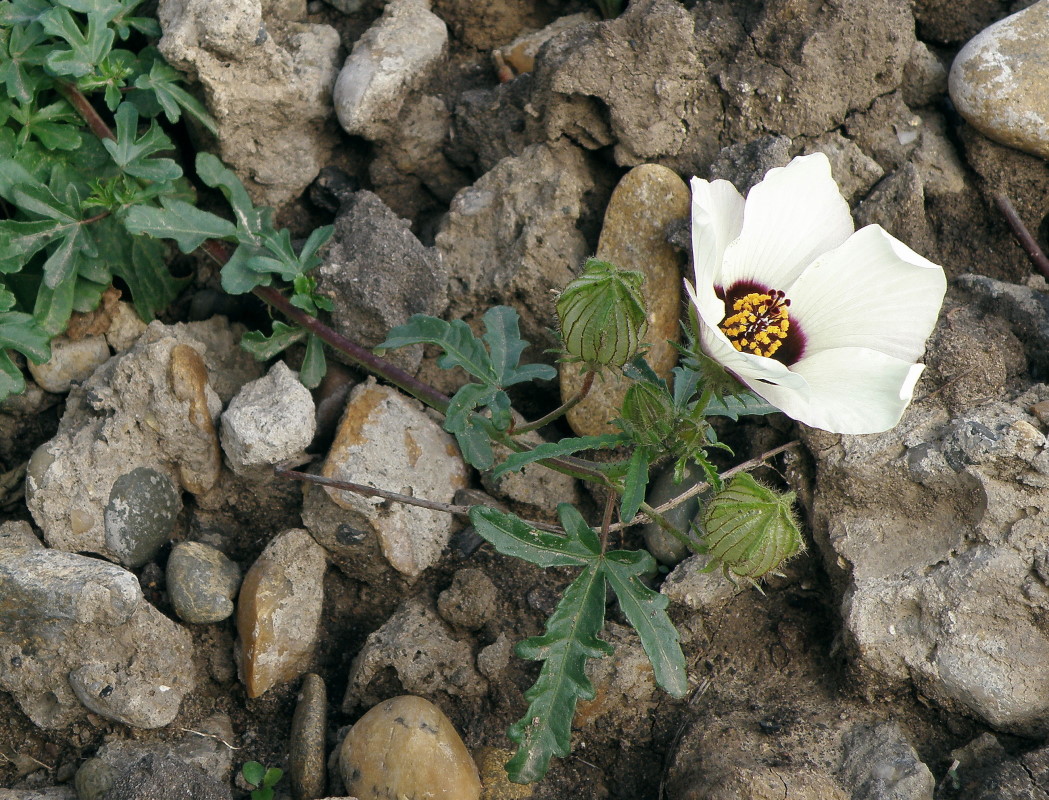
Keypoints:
pixel 386 440
pixel 71 361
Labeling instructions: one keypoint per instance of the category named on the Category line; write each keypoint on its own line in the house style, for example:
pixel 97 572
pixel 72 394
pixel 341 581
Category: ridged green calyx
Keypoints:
pixel 750 529
pixel 648 414
pixel 602 313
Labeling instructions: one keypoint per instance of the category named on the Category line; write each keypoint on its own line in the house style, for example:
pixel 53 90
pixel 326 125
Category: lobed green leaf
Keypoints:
pixel 512 536
pixel 565 447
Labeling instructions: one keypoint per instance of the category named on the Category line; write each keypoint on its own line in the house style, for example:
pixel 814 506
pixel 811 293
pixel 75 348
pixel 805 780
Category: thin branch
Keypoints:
pixel 1035 253
pixel 584 390
pixel 371 491
pixel 86 111
pixel 699 488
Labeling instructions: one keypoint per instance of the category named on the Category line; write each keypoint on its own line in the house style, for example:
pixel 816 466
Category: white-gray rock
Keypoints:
pixel 1000 80
pixel 71 361
pixel 386 440
pixel 393 57
pixel 271 419
pixel 78 635
pixel 267 82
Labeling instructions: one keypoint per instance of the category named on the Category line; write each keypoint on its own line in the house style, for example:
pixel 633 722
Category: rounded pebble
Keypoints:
pixel 470 601
pixel 405 748
pixel 140 515
pixel 201 582
pixel 307 770
pixel 71 361
pixel 1000 80
pixel 646 202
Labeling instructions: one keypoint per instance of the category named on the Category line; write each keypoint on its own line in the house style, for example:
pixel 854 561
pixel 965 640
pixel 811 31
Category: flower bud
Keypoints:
pixel 602 315
pixel 648 414
pixel 749 529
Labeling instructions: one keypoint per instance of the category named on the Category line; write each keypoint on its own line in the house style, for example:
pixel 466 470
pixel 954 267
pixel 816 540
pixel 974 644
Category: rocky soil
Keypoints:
pixel 170 609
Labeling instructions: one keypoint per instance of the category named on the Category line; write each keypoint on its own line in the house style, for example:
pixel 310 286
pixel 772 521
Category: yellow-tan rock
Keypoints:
pixel 634 236
pixel 405 748
pixel 200 456
pixel 279 611
pixel 491 762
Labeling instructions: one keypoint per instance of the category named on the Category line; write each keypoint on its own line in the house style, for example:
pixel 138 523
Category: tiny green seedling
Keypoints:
pixel 261 779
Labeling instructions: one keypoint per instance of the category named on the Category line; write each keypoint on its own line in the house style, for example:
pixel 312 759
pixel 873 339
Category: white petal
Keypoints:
pixel 792 217
pixel 851 390
pixel 717 217
pixel 872 292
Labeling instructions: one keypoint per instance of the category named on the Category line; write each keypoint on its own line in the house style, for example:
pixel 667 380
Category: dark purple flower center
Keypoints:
pixel 757 321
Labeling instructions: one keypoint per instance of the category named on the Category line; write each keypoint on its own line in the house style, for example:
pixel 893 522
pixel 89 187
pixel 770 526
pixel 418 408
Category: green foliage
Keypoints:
pixel 494 360
pixel 571 636
pixel 65 195
pixel 261 780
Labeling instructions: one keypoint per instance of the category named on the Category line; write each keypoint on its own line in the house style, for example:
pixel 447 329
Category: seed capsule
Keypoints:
pixel 602 313
pixel 749 529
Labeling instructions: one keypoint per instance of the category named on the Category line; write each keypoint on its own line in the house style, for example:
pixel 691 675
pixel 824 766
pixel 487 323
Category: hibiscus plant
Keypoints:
pixel 791 310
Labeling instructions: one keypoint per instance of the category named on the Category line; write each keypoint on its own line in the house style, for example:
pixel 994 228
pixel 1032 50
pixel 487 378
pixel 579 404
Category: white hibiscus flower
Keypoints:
pixel 824 323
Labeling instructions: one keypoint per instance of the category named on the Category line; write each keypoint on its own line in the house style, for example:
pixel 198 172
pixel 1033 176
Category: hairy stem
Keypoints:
pixel 560 411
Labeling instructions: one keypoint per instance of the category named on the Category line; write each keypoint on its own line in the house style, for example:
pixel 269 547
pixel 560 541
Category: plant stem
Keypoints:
pixel 84 108
pixel 699 488
pixel 606 519
pixel 371 491
pixel 584 390
pixel 1035 253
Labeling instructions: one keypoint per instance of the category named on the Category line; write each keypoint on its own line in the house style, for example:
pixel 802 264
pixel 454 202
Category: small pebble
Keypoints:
pixel 306 762
pixel 200 458
pixel 279 611
pixel 491 763
pixel 201 582
pixel 71 361
pixel 140 515
pixel 405 748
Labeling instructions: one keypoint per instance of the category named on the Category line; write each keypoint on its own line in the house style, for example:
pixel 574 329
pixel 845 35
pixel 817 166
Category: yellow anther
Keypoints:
pixel 758 323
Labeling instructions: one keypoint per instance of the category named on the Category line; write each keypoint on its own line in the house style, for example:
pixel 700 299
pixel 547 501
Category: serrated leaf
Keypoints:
pixel 264 347
pixel 570 639
pixel 635 482
pixel 141 263
pixel 131 152
pixel 20 332
pixel 237 277
pixel 735 406
pixel 218 176
pixel 12 381
pixel 162 82
pixel 188 225
pixel 86 49
pixel 313 364
pixel 565 447
pixel 470 431
pixel 512 536
pixel 503 337
pixel 646 611
pixel 461 347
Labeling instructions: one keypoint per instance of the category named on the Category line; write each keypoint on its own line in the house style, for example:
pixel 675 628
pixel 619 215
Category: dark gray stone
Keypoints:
pixel 140 515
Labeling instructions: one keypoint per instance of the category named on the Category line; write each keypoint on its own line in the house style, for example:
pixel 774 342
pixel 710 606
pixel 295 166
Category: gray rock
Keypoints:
pixel 81 636
pixel 271 419
pixel 744 164
pixel 470 601
pixel 1000 80
pixel 417 647
pixel 914 606
pixel 1026 309
pixel 279 611
pixel 71 361
pixel 18 534
pixel 513 237
pixel 140 515
pixel 399 51
pixel 854 171
pixel 924 78
pixel 48 793
pixel 306 758
pixel 695 588
pixel 164 776
pixel 201 582
pixel 378 274
pixel 206 749
pixel 888 130
pixel 665 547
pixel 104 438
pixel 385 439
pixel 898 205
pixel 267 82
pixel 880 764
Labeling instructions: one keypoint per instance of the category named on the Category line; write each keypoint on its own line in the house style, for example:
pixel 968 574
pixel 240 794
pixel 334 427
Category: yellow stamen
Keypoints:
pixel 758 324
